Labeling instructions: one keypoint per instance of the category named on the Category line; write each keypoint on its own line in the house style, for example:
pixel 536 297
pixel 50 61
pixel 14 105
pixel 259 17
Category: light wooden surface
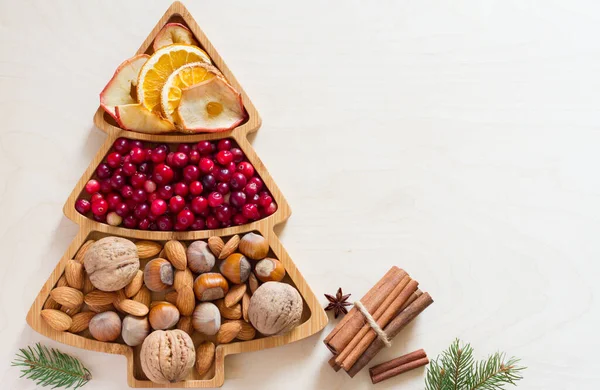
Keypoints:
pixel 458 140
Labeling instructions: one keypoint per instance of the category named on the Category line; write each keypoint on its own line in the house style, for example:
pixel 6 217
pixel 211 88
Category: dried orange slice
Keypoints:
pixel 183 77
pixel 155 72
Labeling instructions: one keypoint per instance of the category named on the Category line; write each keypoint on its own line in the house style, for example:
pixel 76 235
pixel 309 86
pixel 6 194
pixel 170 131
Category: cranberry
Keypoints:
pixel 223 188
pixel 122 209
pixel 257 181
pixel 250 211
pixel 224 157
pixel 264 200
pixel 238 199
pixel 209 182
pixel 99 218
pixel 96 197
pixel 83 206
pixel 144 224
pixel 129 169
pixel 158 155
pixel 232 167
pixel 212 222
pixel 105 186
pixel 205 148
pixel 169 159
pixel 152 197
pixel 238 155
pixel 206 165
pixel 180 159
pixel 224 144
pixel 196 188
pixel 137 180
pixel 114 160
pixel 199 204
pixel 176 204
pixel 239 219
pixel 223 213
pixel 138 195
pixel 185 218
pixel 215 199
pixel 121 145
pixel 113 219
pixel 165 192
pixel 191 173
pixel 92 186
pixel 223 174
pixel 198 224
pixel 136 144
pixel 117 181
pixel 194 156
pixel 141 211
pixel 145 168
pixel 126 191
pixel 158 207
pixel 270 209
pixel 148 154
pixel 164 223
pixel 130 222
pixel 100 207
pixel 103 171
pixel 238 181
pixel 149 186
pixel 254 199
pixel 246 168
pixel 184 148
pixel 113 199
pixel 181 189
pixel 163 174
pixel 251 189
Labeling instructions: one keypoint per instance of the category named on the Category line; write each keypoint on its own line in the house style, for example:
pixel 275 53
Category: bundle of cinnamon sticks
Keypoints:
pixel 393 303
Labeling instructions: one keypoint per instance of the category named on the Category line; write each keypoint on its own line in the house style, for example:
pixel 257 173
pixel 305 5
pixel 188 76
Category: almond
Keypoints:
pixel 101 308
pixel 62 282
pixel 81 252
pixel 245 305
pixel 134 308
pixel 216 244
pixel 247 331
pixel 120 297
pixel 81 321
pixel 183 278
pixel 186 301
pixel 57 319
pixel 235 294
pixel 231 313
pixel 185 324
pixel 74 273
pixel 136 283
pixel 230 247
pixel 205 355
pixel 87 284
pixel 71 311
pixel 147 249
pixel 171 297
pixel 143 296
pixel 51 304
pixel 175 252
pixel 252 282
pixel 67 296
pixel 100 298
pixel 228 331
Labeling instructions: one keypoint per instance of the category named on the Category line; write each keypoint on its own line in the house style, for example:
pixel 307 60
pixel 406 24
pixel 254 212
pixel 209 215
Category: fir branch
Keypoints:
pixel 455 369
pixel 50 367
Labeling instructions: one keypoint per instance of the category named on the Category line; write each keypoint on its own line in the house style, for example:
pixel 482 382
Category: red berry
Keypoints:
pixel 205 147
pixel 185 218
pixel 137 180
pixel 196 188
pixel 99 207
pixel 215 199
pixel 250 211
pixel 152 197
pixel 158 207
pixel 117 181
pixel 158 155
pixel 199 204
pixel 163 174
pixel 246 168
pixel 103 171
pixel 92 186
pixel 144 224
pixel 99 218
pixel 184 148
pixel 130 222
pixel 180 159
pixel 96 197
pixel 251 189
pixel 136 144
pixel 191 173
pixel 223 174
pixel 264 200
pixel 145 168
pixel 223 213
pixel 176 204
pixel 165 192
pixel 212 222
pixel 141 211
pixel 164 223
pixel 105 186
pixel 206 165
pixel 198 224
pixel 121 145
pixel 238 155
pixel 223 188
pixel 224 144
pixel 194 156
pixel 138 195
pixel 149 186
pixel 237 199
pixel 122 209
pixel 256 180
pixel 113 199
pixel 238 181
pixel 209 182
pixel 138 155
pixel 114 160
pixel 83 206
pixel 270 209
pixel 181 189
pixel 224 157
pixel 129 169
pixel 239 219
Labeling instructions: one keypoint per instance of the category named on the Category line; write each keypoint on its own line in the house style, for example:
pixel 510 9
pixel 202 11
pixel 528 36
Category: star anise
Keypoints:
pixel 338 303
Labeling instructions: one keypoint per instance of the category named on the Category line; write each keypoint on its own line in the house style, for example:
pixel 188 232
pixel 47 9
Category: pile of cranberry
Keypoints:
pixel 205 185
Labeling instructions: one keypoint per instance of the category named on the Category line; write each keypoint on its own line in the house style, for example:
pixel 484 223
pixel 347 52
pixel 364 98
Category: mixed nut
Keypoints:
pixel 152 295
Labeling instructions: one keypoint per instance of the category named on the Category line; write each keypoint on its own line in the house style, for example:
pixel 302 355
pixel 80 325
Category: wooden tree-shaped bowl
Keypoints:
pixel 314 318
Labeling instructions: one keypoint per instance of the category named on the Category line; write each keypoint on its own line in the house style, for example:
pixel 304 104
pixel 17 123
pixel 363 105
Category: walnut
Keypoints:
pixel 111 263
pixel 275 308
pixel 167 356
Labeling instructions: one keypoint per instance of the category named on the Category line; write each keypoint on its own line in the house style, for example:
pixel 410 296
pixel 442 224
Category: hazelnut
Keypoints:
pixel 254 246
pixel 111 263
pixel 158 275
pixel 105 326
pixel 200 258
pixel 163 315
pixel 210 286
pixel 275 308
pixel 236 268
pixel 167 356
pixel 269 270
pixel 135 330
pixel 206 318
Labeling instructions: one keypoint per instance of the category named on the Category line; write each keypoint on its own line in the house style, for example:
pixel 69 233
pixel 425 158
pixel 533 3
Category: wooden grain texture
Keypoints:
pixel 90 228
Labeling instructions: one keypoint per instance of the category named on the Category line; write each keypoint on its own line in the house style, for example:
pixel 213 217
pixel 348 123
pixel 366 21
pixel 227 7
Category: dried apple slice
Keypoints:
pixel 121 87
pixel 210 106
pixel 173 33
pixel 136 117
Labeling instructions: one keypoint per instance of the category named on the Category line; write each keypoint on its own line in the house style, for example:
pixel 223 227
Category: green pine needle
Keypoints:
pixel 455 369
pixel 50 367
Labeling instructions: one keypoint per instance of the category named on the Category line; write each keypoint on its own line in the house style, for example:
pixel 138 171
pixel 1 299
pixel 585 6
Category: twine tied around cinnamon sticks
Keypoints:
pixel 392 304
pixel 373 324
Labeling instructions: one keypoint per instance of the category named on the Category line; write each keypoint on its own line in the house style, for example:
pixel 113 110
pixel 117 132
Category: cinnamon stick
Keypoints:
pixel 409 357
pixel 345 331
pixel 369 335
pixel 411 365
pixel 392 329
